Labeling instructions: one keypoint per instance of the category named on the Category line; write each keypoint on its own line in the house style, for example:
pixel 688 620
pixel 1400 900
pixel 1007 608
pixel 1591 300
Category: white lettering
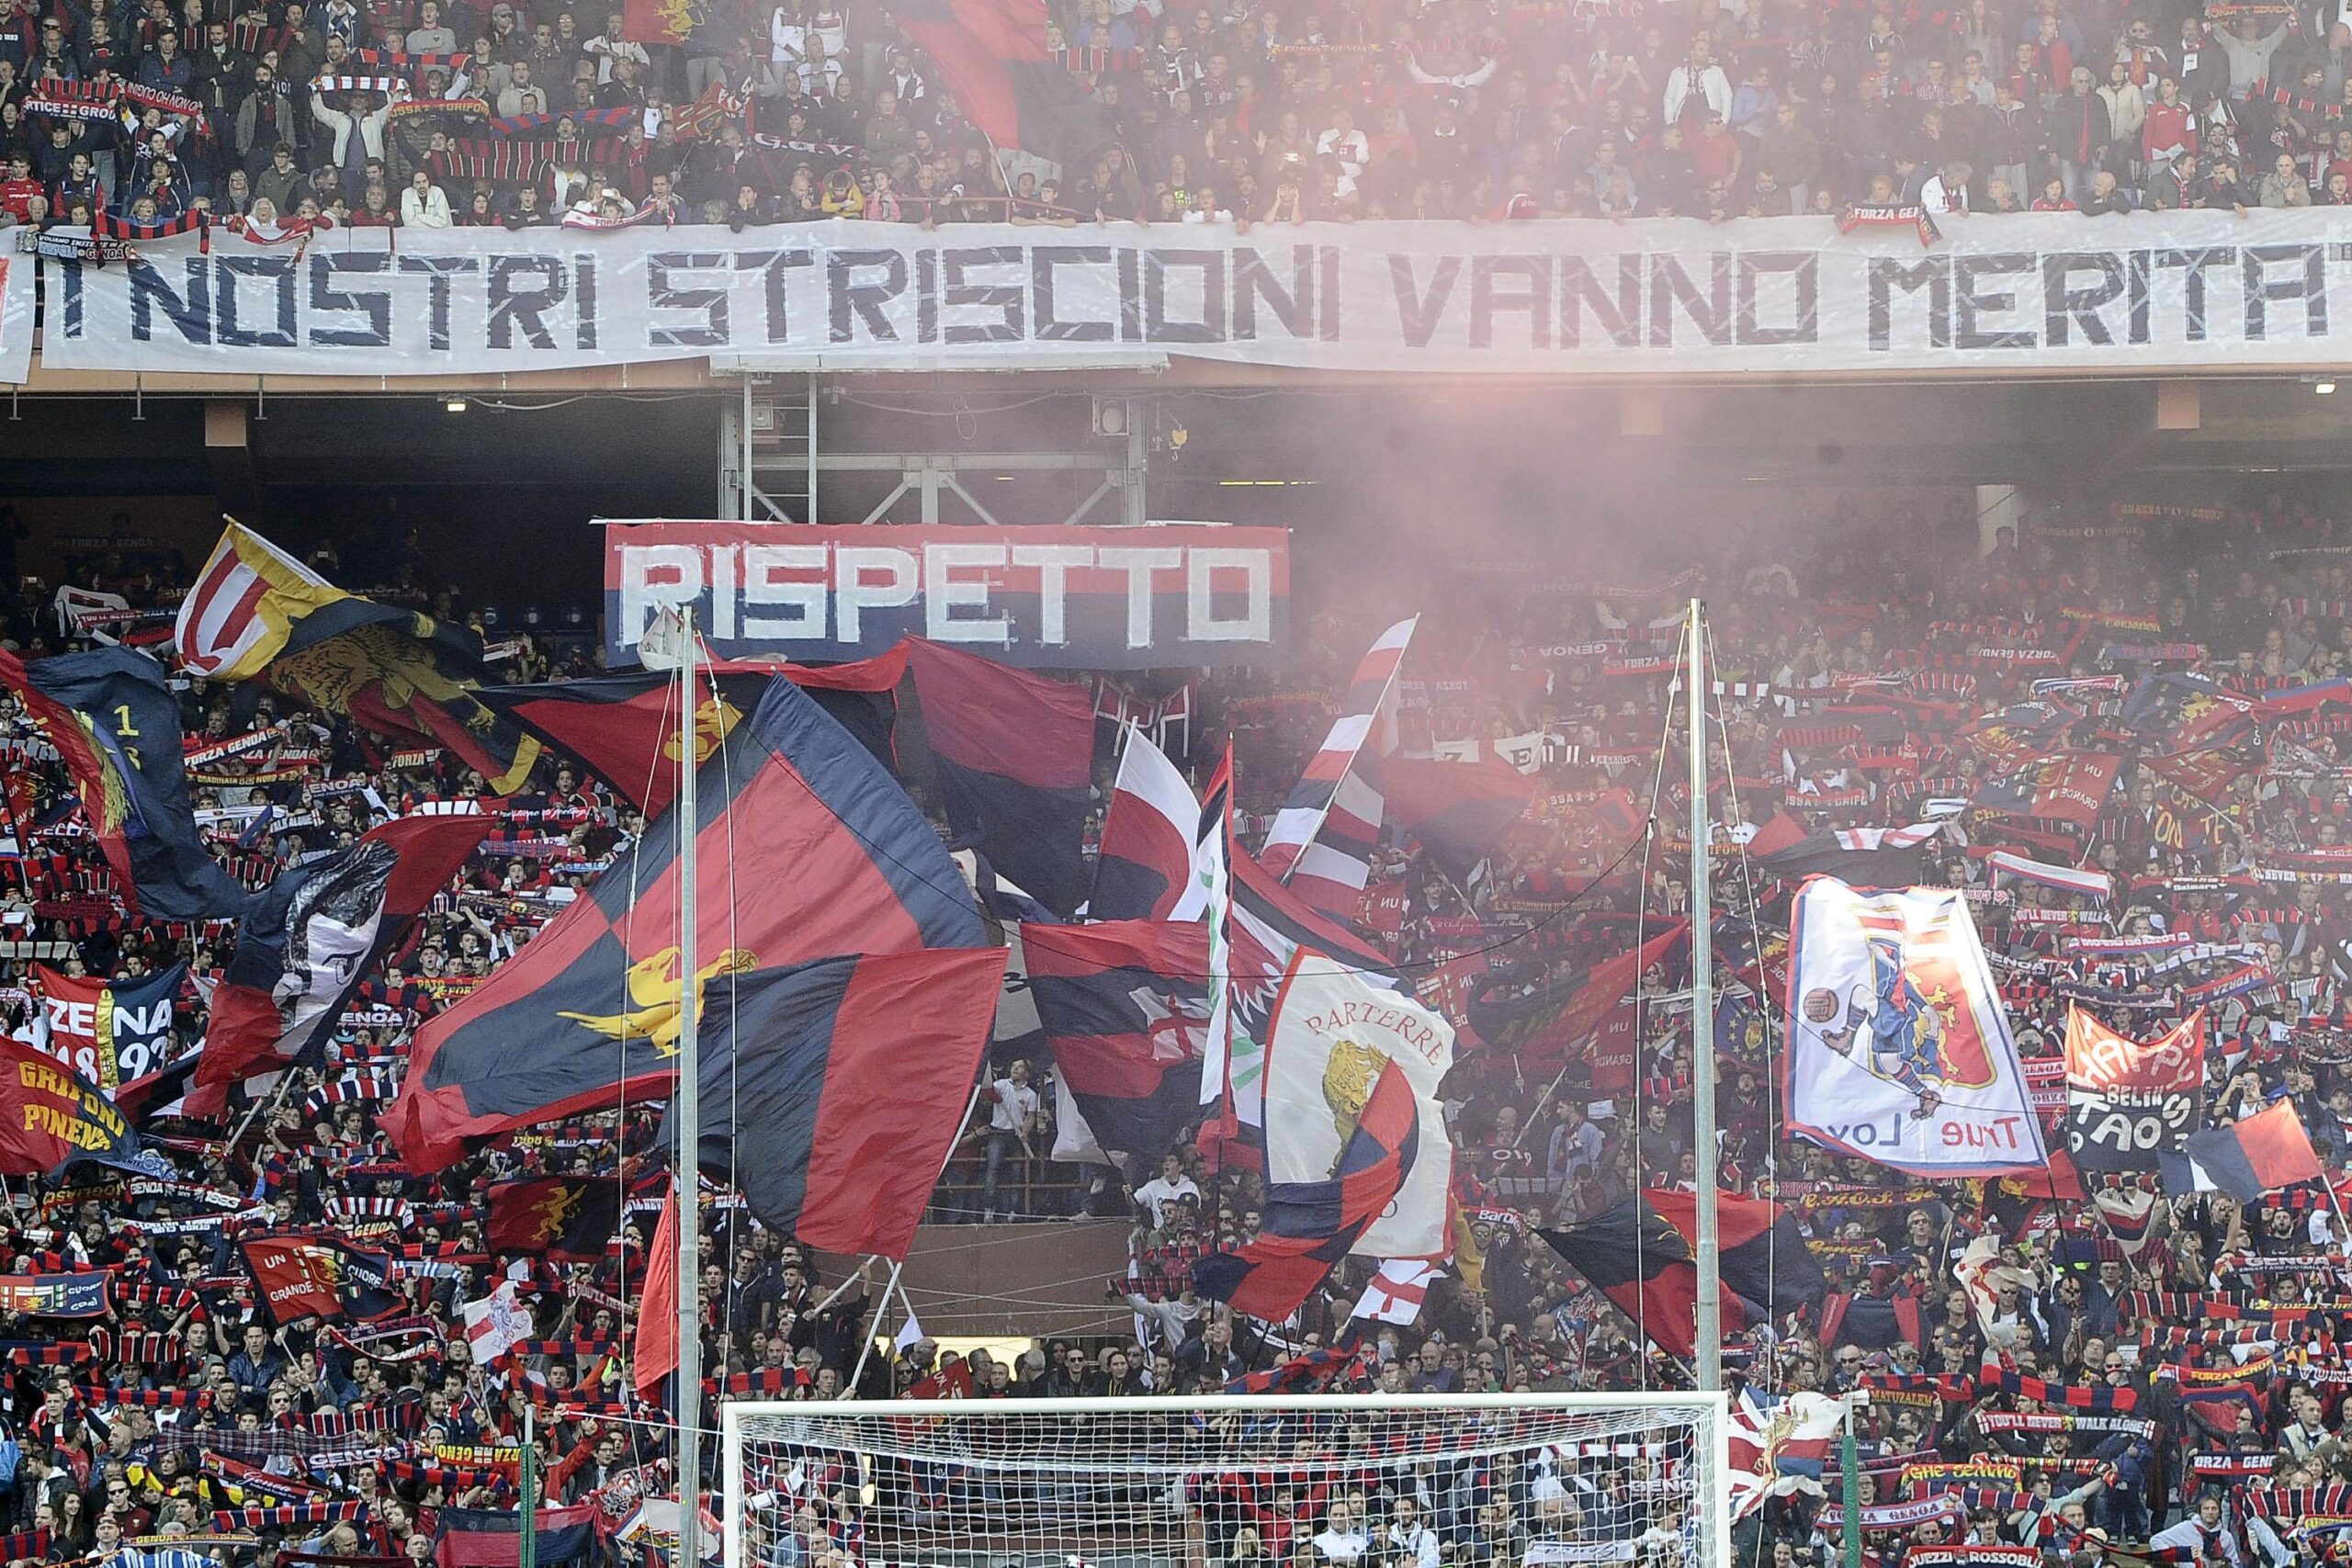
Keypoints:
pixel 655 578
pixel 1256 622
pixel 945 593
pixel 1053 563
pixel 1140 563
pixel 766 583
pixel 854 593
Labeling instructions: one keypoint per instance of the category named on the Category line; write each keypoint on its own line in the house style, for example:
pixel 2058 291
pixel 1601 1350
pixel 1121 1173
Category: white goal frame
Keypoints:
pixel 1709 1414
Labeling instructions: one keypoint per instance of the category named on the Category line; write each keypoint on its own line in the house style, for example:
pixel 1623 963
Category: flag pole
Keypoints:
pixel 1703 1022
pixel 899 1266
pixel 686 1109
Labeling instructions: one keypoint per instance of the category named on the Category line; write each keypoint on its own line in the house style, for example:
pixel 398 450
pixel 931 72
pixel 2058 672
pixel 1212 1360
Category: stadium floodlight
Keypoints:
pixel 1236 1480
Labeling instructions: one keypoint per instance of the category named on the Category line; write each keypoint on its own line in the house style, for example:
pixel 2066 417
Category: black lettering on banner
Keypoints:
pixel 326 300
pixel 1254 279
pixel 1804 268
pixel 926 296
pixel 771 266
pixel 1045 261
pixel 2064 308
pixel 2136 266
pixel 1930 272
pixel 583 301
pixel 440 269
pixel 228 329
pixel 1004 297
pixel 1157 327
pixel 511 305
pixel 2309 284
pixel 1328 328
pixel 2196 261
pixel 1580 291
pixel 1532 298
pixel 1671 286
pixel 1417 312
pixel 190 313
pixel 1130 295
pixel 864 300
pixel 661 293
pixel 1968 299
pixel 72 308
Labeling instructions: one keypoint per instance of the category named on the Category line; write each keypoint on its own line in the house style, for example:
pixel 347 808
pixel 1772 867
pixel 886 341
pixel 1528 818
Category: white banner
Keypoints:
pixel 2051 291
pixel 16 273
pixel 1898 1047
pixel 1333 1031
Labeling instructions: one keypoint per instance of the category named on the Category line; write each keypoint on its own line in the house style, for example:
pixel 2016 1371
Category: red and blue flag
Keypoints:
pixel 812 850
pixel 833 1091
pixel 1014 754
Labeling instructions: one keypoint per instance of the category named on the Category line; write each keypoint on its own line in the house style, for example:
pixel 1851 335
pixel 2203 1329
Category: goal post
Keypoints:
pixel 1235 1481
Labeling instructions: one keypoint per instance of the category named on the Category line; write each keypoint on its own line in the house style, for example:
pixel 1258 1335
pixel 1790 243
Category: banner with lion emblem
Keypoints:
pixel 1332 1033
pixel 1898 1049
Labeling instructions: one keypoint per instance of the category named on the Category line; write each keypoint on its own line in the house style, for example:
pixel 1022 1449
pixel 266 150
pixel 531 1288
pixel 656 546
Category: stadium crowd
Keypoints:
pixel 435 113
pixel 185 1411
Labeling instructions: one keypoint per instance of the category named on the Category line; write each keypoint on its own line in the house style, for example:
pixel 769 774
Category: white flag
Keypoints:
pixel 1396 1293
pixel 1330 1023
pixel 495 1323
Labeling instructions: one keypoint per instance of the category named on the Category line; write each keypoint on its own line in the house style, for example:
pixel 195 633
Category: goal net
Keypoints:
pixel 1333 1480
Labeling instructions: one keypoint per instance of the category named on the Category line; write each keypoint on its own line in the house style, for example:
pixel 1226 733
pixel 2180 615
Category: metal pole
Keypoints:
pixel 1703 1021
pixel 1853 1494
pixel 813 515
pixel 744 490
pixel 528 1546
pixel 686 1180
pixel 879 1325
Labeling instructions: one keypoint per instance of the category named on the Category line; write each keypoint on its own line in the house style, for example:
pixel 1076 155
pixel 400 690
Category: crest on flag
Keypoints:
pixel 495 1323
pixel 1898 1048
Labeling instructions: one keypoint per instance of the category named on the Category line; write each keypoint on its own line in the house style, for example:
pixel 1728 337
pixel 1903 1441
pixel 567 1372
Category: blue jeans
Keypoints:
pixel 1002 1146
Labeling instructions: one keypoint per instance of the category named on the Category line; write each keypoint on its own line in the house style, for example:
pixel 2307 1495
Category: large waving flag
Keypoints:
pixel 1460 811
pixel 1342 1136
pixel 1124 1007
pixel 809 850
pixel 51 1117
pixel 1898 1048
pixel 624 728
pixel 315 934
pixel 257 611
pixel 1333 1014
pixel 1642 1254
pixel 108 1030
pixel 111 716
pixel 2129 1104
pixel 993 55
pixel 1322 840
pixel 1782 1449
pixel 2254 1155
pixel 1265 926
pixel 1014 758
pixel 304 1277
pixel 833 1091
pixel 1145 860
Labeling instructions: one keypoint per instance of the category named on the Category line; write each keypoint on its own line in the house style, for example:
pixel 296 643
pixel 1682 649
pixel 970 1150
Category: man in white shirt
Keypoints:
pixel 1342 1540
pixel 1349 145
pixel 1170 1184
pixel 1410 1541
pixel 609 46
pixel 1011 1122
pixel 2203 1534
pixel 1946 191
